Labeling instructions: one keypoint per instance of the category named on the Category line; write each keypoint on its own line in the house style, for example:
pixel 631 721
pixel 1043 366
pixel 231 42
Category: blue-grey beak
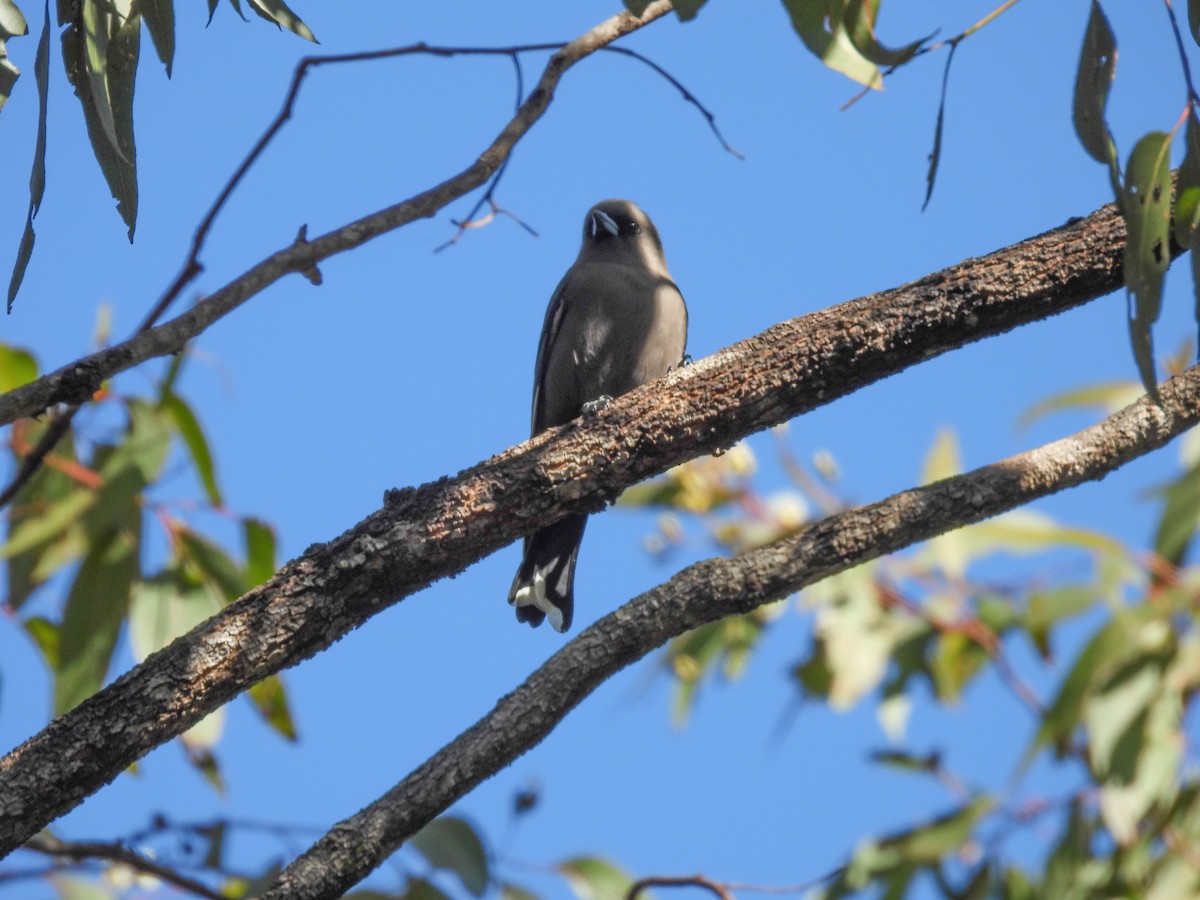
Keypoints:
pixel 603 220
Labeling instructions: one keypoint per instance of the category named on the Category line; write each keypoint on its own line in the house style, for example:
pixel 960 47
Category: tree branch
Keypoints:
pixel 76 382
pixel 81 851
pixel 437 530
pixel 711 590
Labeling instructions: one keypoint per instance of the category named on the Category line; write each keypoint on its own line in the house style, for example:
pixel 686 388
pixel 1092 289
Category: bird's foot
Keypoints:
pixel 594 406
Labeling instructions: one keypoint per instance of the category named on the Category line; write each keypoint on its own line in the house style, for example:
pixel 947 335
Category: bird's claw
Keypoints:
pixel 594 406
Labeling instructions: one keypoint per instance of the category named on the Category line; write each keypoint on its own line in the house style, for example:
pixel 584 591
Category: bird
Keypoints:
pixel 616 321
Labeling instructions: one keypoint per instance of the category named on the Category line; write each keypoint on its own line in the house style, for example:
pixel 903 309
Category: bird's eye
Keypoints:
pixel 633 227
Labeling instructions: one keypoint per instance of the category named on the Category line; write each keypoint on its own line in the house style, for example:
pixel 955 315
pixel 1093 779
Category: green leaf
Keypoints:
pixel 260 551
pixel 935 155
pixel 819 24
pixel 12 22
pixel 957 659
pixel 1146 204
pixel 17 367
pixel 451 843
pixel 1115 716
pixel 594 878
pixel 1108 397
pixel 79 889
pixel 1178 523
pixel 159 16
pixel 1194 19
pixel 164 607
pixel 1187 186
pixel 278 12
pixel 45 635
pixel 1097 64
pixel 51 522
pixel 1108 646
pixel 95 609
pixel 1047 608
pixel 944 835
pixel 637 7
pixel 859 20
pixel 422 889
pixel 516 892
pixel 187 426
pixel 687 9
pixel 37 176
pixel 213 565
pixel 101 62
pixel 270 699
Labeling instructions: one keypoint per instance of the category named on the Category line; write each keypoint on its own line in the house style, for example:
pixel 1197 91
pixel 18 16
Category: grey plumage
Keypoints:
pixel 615 321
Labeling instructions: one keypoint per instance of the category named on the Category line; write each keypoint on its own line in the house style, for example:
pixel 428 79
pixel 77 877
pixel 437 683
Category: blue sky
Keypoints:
pixel 406 365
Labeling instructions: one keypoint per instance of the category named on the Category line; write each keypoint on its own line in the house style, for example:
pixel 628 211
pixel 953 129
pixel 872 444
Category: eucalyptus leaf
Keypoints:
pixel 819 25
pixel 1146 205
pixel 1097 65
pixel 451 843
pixel 37 176
pixel 281 14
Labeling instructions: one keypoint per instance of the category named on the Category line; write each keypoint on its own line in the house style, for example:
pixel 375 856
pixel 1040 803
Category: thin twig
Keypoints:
pixel 1193 97
pixel 342 239
pixel 79 851
pixel 678 881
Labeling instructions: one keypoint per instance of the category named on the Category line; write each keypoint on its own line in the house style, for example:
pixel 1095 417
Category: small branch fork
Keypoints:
pixel 45 392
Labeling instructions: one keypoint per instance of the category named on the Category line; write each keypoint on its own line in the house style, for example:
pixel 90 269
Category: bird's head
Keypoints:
pixel 616 228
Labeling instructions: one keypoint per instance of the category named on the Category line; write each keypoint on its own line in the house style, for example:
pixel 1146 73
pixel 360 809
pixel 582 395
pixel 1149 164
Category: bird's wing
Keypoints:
pixel 551 328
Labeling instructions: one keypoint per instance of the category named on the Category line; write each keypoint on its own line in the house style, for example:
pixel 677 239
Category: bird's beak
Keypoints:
pixel 605 221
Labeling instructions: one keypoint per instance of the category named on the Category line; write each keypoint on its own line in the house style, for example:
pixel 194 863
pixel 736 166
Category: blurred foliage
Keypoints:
pixel 934 621
pixel 78 573
pixel 100 43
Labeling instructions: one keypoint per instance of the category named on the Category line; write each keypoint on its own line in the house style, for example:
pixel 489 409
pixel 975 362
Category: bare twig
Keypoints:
pixel 75 383
pixel 80 851
pixel 699 881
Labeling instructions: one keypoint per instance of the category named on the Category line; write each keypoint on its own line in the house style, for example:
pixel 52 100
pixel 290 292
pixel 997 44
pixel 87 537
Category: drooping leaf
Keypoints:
pixel 819 24
pixel 422 889
pixel 17 367
pixel 37 175
pixel 1194 19
pixel 260 551
pixel 1108 397
pixel 1177 526
pixel 187 426
pixel 281 14
pixel 1146 205
pixel 687 9
pixel 45 635
pixel 12 24
pixel 95 609
pixel 212 564
pixel 164 607
pixel 159 16
pixel 1187 186
pixel 1046 608
pixel 935 155
pixel 101 62
pixel 860 18
pixel 637 7
pixel 594 878
pixel 946 834
pixel 270 699
pixel 1115 716
pixel 450 843
pixel 1097 64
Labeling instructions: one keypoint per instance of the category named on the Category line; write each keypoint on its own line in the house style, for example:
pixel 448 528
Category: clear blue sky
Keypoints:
pixel 406 365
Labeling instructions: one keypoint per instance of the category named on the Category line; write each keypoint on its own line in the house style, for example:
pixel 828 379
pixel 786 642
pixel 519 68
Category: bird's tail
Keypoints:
pixel 545 582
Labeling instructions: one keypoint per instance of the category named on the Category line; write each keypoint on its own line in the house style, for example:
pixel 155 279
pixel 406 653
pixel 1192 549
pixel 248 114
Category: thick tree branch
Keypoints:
pixel 434 531
pixel 76 382
pixel 711 590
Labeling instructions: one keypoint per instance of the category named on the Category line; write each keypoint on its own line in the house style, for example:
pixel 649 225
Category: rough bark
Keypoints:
pixel 427 533
pixel 712 590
